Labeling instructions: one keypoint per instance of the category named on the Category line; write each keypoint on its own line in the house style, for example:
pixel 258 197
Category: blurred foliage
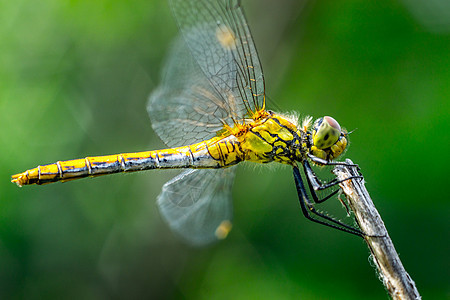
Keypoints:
pixel 74 79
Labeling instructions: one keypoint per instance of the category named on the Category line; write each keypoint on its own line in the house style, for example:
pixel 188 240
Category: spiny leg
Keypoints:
pixel 324 162
pixel 333 193
pixel 312 214
pixel 314 181
pixel 315 184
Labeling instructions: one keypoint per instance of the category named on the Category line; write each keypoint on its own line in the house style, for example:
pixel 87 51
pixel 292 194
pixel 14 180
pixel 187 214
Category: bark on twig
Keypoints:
pixel 396 280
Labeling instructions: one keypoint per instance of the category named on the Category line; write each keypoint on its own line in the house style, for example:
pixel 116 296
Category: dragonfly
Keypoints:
pixel 210 111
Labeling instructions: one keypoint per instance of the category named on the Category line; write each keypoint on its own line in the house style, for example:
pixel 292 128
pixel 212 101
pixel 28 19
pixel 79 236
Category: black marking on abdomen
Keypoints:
pixel 209 152
pixel 192 156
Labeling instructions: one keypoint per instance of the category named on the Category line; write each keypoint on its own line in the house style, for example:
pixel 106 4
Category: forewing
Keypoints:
pixel 185 108
pixel 221 43
pixel 197 204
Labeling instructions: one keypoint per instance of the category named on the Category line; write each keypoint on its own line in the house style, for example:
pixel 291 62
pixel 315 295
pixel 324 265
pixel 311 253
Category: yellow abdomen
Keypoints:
pixel 213 153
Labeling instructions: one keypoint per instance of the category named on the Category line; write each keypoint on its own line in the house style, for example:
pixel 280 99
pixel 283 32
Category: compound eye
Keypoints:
pixel 326 132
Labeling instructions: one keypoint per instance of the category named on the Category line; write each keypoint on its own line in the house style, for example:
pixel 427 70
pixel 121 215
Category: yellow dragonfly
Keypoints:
pixel 210 110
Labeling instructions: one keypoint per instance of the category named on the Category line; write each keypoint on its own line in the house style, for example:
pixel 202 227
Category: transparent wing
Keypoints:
pixel 185 108
pixel 197 204
pixel 221 43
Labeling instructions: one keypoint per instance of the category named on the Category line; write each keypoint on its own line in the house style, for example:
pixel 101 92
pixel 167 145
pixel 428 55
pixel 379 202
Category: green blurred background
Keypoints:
pixel 74 81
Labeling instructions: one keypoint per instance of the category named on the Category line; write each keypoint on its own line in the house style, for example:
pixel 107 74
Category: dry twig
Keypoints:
pixel 394 276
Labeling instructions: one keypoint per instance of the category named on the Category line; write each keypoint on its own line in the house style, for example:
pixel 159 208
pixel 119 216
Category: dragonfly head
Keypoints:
pixel 328 139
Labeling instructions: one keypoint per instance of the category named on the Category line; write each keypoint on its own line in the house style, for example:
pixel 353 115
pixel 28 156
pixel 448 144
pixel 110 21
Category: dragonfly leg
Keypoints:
pixel 312 214
pixel 315 184
pixel 324 162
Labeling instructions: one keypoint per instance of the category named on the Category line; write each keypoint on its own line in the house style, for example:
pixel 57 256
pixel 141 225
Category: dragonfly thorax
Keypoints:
pixel 274 138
